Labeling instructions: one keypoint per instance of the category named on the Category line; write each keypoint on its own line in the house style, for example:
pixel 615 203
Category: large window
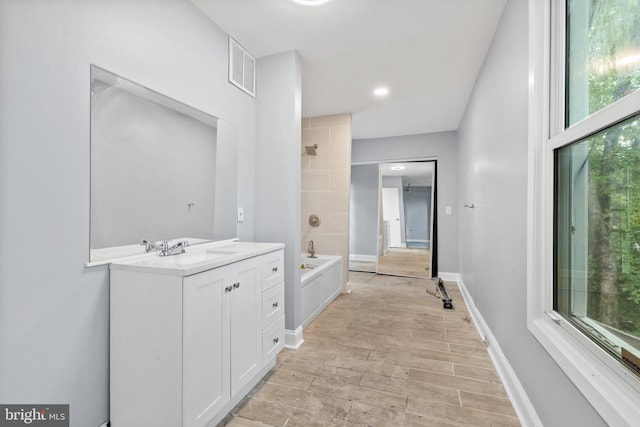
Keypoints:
pixel 597 235
pixel 597 180
pixel 584 280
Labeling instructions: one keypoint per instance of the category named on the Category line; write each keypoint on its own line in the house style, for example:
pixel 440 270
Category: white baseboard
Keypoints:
pixel 454 277
pixel 293 339
pixel 363 258
pixel 521 404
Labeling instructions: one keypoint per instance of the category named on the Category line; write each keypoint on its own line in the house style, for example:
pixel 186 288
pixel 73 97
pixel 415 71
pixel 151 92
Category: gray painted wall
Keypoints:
pixel 493 241
pixel 278 173
pixel 363 213
pixel 416 212
pixel 53 310
pixel 441 146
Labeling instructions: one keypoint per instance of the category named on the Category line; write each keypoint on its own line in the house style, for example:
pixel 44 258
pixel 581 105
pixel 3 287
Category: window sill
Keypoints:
pixel 610 388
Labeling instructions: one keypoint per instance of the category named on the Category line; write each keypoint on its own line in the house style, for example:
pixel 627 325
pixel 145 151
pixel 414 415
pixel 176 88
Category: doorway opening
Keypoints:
pixel 393 218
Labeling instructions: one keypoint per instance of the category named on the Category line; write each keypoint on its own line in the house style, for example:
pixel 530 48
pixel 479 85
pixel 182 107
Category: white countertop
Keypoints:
pixel 197 258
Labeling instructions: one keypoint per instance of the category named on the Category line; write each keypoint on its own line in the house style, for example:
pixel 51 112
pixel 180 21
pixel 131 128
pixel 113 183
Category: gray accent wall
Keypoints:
pixel 363 213
pixel 493 237
pixel 417 208
pixel 54 312
pixel 441 146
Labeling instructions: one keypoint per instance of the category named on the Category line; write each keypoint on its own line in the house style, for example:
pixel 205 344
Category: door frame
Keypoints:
pixel 433 217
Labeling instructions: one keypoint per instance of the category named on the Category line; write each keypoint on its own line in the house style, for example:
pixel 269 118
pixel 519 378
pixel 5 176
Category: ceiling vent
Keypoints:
pixel 242 68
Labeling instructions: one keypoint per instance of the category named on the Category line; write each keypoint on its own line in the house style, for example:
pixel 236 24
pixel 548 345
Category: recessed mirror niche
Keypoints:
pixel 160 169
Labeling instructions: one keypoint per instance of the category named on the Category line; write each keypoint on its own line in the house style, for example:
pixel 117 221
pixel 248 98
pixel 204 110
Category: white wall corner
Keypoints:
pixel 521 404
pixel 293 339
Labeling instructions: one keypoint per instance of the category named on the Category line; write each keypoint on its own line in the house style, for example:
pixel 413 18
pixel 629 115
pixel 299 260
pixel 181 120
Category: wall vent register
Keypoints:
pixel 242 68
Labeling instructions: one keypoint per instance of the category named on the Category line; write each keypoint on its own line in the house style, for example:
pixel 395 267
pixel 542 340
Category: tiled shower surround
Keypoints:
pixel 326 179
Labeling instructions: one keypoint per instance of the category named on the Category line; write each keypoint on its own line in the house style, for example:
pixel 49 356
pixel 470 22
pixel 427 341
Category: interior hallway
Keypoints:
pixel 408 262
pixel 387 354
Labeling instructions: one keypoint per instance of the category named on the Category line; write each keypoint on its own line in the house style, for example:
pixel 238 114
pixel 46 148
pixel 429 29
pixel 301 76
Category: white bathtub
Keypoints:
pixel 320 282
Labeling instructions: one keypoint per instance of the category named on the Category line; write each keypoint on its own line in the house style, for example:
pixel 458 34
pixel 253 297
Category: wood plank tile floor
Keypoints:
pixel 412 262
pixel 387 354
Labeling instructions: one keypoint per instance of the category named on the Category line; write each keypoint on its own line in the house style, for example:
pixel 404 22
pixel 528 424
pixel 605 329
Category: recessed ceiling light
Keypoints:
pixel 381 91
pixel 311 2
pixel 397 168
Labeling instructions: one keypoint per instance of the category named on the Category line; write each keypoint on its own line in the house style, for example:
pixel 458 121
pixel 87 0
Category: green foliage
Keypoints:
pixel 614 155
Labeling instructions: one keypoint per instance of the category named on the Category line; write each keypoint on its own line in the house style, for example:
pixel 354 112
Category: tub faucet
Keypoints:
pixel 311 250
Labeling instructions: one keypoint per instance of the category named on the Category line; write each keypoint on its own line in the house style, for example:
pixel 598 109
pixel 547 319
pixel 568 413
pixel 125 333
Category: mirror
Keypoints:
pixel 160 169
pixel 363 218
pixel 405 225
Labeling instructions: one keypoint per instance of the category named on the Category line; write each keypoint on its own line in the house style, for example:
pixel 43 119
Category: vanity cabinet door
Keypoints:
pixel 245 308
pixel 206 362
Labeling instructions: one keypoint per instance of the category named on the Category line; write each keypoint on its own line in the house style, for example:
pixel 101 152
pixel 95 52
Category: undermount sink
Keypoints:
pixel 191 258
pixel 221 252
pixel 186 259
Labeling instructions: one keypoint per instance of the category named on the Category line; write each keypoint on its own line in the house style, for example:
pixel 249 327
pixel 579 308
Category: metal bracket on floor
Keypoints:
pixel 446 299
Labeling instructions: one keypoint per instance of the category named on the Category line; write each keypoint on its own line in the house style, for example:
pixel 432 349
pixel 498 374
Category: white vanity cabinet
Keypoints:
pixel 186 348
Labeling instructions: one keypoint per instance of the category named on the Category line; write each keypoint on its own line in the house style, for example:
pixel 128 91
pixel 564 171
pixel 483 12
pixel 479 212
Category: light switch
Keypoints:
pixel 240 215
pixel 448 210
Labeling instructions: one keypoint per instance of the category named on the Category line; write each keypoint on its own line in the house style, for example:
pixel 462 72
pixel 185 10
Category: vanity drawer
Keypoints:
pixel 272 304
pixel 272 269
pixel 272 340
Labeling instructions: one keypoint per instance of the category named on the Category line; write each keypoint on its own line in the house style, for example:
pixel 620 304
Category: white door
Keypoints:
pixel 246 321
pixel 391 213
pixel 206 382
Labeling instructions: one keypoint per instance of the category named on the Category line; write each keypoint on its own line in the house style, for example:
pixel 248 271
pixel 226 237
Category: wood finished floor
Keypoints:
pixel 408 262
pixel 413 262
pixel 387 354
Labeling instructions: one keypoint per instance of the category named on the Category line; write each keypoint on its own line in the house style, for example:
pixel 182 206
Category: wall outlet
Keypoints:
pixel 240 215
pixel 448 210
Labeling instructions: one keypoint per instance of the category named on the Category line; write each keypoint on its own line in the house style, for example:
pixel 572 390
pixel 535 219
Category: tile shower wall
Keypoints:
pixel 326 179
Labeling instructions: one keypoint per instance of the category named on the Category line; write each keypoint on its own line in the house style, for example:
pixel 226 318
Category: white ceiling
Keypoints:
pixel 427 52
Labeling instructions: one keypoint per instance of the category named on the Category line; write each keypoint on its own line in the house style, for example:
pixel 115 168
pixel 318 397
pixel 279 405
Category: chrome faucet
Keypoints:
pixel 150 246
pixel 311 249
pixel 175 249
pixel 164 248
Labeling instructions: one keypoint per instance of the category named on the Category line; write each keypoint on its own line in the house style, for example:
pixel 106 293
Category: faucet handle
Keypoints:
pixel 181 244
pixel 148 245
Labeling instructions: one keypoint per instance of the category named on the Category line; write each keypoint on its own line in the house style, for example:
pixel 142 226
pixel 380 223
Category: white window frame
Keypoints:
pixel 612 390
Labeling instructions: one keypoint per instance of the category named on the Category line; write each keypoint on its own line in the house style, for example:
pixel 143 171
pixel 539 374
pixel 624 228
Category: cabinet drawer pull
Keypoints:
pixel 275 340
pixel 275 305
pixel 274 269
pixel 228 289
pixel 236 285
